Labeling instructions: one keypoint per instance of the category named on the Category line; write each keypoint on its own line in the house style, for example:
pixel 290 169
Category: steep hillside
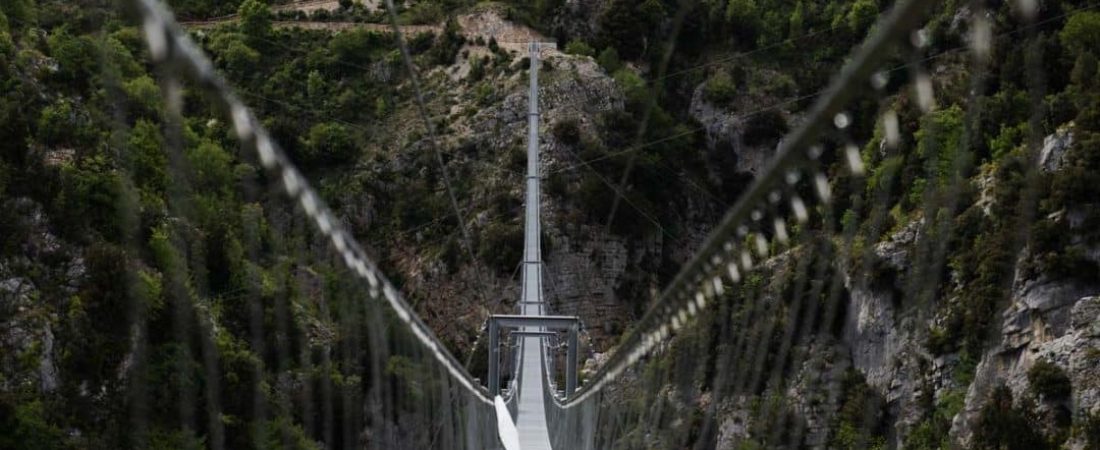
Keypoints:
pixel 124 219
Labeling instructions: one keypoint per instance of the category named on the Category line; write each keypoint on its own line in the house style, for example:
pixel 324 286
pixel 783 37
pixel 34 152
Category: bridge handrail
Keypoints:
pixel 695 284
pixel 169 45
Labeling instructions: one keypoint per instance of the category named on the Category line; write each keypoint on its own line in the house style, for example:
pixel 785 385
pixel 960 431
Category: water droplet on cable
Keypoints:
pixel 925 96
pixel 841 120
pixel 761 246
pixel 855 161
pixel 781 231
pixel 919 38
pixel 735 275
pixel 879 80
pixel 799 208
pixel 156 36
pixel 892 129
pixel 815 151
pixel 1028 8
pixel 981 38
pixel 821 185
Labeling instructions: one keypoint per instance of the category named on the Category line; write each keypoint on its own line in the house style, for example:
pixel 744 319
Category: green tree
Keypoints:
pixel 633 86
pixel 328 143
pixel 147 157
pixel 315 85
pixel 652 13
pixel 18 10
pixel 1003 426
pixel 744 16
pixel 7 46
pixel 26 425
pixel 255 19
pixel 609 60
pixel 622 27
pixel 1084 71
pixel 720 88
pixel 1049 380
pixel 795 23
pixel 1082 32
pixel 144 96
pixel 861 15
pixel 579 47
pixel 381 109
pixel 239 58
pixel 75 56
pixel 212 166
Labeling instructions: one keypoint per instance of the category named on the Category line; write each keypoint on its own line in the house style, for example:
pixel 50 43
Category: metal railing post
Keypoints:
pixel 494 357
pixel 571 363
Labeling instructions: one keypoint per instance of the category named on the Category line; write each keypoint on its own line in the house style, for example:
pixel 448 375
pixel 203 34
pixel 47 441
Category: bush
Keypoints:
pixel 609 60
pixel 1049 380
pixel 448 44
pixel 424 13
pixel 328 143
pixel 744 16
pixel 255 18
pixel 720 88
pixel 861 15
pixel 1003 426
pixel 579 47
pixel 26 425
pixel 1082 32
pixel 633 86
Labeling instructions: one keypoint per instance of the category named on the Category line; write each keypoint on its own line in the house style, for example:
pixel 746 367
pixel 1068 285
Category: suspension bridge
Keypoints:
pixel 710 333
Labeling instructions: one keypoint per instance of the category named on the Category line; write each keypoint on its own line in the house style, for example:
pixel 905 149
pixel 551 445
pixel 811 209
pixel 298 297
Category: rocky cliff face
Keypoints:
pixel 1047 319
pixel 27 354
pixel 590 271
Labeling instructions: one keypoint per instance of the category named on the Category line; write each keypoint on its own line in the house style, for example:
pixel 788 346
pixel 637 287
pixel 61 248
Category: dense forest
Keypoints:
pixel 126 196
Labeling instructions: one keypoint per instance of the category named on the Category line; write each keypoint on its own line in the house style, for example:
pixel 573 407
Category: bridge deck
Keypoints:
pixel 531 416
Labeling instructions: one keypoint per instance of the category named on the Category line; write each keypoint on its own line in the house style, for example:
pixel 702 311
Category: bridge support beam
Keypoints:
pixel 494 358
pixel 534 326
pixel 571 362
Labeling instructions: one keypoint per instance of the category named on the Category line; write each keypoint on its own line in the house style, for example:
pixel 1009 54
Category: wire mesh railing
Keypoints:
pixel 252 318
pixel 336 356
pixel 754 344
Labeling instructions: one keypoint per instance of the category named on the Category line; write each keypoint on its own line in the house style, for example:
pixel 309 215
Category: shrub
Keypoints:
pixel 255 18
pixel 720 88
pixel 27 425
pixel 744 16
pixel 328 143
pixel 861 15
pixel 609 60
pixel 424 13
pixel 144 96
pixel 633 86
pixel 448 44
pixel 1003 426
pixel 1049 380
pixel 1082 32
pixel 579 47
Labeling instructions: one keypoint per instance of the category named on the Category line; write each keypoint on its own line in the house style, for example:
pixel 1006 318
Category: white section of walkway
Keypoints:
pixel 505 427
pixel 531 415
